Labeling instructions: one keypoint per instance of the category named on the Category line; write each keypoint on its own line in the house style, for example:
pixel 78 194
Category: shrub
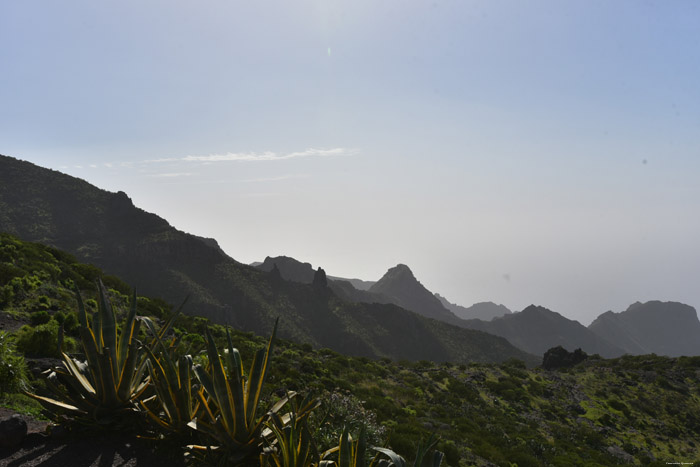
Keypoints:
pixel 345 411
pixel 40 317
pixel 559 357
pixel 39 341
pixel 13 370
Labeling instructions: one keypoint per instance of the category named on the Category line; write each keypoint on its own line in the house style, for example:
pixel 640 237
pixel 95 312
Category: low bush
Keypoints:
pixel 13 370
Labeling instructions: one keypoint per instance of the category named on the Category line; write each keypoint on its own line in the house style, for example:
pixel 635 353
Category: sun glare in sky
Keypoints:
pixel 538 152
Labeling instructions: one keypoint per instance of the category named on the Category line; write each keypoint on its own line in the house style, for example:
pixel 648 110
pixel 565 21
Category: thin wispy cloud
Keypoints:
pixel 172 175
pixel 275 179
pixel 260 156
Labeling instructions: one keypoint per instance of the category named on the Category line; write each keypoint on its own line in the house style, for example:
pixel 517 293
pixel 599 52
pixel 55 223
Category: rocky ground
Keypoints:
pixel 39 448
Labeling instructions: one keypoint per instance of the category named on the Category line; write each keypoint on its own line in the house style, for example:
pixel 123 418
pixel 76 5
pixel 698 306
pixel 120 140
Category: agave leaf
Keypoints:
pixel 184 394
pixel 78 376
pixel 345 449
pixel 397 460
pixel 127 334
pixel 257 376
pixel 220 387
pixel 360 448
pixel 330 451
pixel 236 390
pixel 125 385
pixel 54 402
pixel 109 394
pixel 108 329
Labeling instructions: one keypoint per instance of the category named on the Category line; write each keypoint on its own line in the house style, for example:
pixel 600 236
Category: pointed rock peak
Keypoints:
pixel 400 270
pixel 320 280
pixel 634 305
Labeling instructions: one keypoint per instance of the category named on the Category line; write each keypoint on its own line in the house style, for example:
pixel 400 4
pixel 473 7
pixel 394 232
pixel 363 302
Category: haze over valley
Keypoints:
pixel 506 152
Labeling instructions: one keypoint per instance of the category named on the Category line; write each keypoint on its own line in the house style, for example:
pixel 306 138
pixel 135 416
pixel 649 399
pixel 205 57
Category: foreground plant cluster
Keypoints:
pixel 124 377
pixel 318 405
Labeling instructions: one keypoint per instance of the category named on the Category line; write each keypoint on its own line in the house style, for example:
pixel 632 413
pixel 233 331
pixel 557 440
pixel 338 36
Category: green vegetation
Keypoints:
pixel 105 388
pixel 641 410
pixel 13 369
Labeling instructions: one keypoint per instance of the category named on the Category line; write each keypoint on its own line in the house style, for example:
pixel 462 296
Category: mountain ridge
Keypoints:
pixel 106 229
pixel 663 328
pixel 485 311
pixel 537 329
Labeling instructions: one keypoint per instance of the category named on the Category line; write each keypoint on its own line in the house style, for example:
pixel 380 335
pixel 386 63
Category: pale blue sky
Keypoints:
pixel 541 152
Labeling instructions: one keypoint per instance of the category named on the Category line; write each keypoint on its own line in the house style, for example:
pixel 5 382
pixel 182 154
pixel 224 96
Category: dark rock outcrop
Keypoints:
pixel 13 430
pixel 559 357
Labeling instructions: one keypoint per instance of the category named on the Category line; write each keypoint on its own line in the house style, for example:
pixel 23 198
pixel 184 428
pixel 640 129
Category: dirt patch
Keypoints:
pixel 9 323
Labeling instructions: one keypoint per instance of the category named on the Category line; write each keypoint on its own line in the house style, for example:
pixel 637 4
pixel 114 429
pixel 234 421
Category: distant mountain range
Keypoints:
pixel 485 311
pixel 398 286
pixel 663 328
pixel 106 229
pixel 402 287
pixel 535 329
pixel 383 318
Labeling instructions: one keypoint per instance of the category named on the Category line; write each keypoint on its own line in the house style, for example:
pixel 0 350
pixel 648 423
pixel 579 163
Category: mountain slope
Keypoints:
pixel 403 289
pixel 485 311
pixel 294 270
pixel 106 229
pixel 663 328
pixel 537 329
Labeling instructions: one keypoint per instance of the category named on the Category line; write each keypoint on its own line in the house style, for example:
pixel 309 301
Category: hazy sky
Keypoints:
pixel 541 152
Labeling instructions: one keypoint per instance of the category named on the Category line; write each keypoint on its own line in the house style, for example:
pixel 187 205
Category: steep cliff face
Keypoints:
pixel 290 269
pixel 663 328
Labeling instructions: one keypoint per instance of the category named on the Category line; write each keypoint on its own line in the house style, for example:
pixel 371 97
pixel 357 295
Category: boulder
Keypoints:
pixel 13 430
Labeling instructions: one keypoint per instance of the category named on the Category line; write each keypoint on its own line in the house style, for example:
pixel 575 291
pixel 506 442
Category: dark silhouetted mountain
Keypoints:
pixel 359 284
pixel 663 328
pixel 537 329
pixel 107 230
pixel 294 270
pixel 290 269
pixel 403 289
pixel 484 311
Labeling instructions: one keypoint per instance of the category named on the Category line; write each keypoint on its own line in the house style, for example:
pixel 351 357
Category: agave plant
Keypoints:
pixel 105 387
pixel 229 403
pixel 293 445
pixel 353 453
pixel 172 378
pixel 426 455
